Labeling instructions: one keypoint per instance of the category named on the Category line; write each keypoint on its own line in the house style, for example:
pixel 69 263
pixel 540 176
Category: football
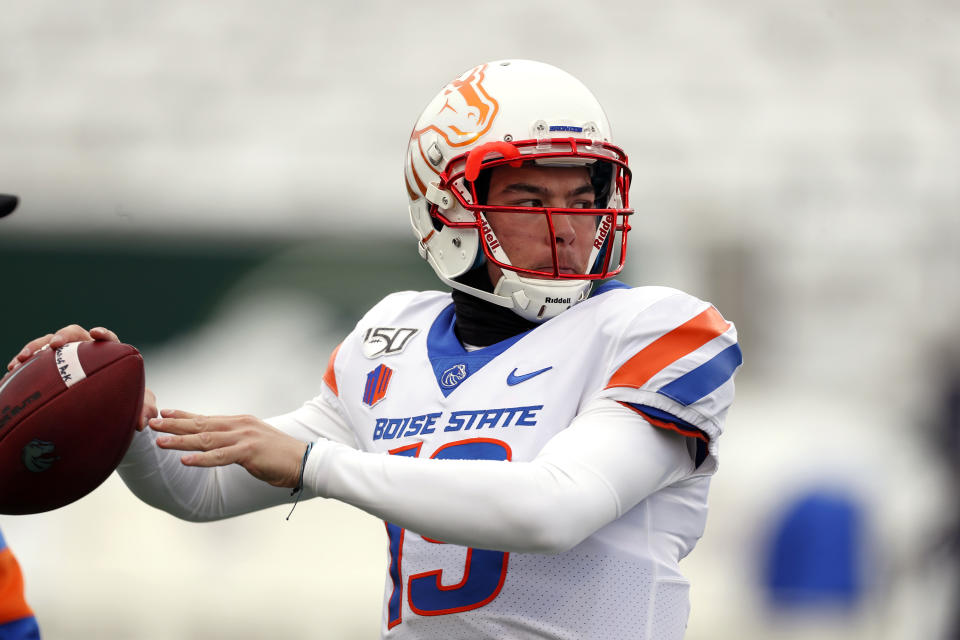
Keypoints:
pixel 67 416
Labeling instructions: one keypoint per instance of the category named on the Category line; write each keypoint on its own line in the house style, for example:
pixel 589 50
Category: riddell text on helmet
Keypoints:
pixel 602 235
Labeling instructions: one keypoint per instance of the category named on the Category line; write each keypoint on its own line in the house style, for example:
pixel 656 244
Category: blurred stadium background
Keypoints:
pixel 220 183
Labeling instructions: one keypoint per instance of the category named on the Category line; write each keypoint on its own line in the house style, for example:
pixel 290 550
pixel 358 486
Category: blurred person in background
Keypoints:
pixel 16 618
pixel 608 401
pixel 946 548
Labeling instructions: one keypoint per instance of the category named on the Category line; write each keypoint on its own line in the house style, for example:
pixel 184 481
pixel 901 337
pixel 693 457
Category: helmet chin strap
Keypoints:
pixel 538 300
pixel 535 299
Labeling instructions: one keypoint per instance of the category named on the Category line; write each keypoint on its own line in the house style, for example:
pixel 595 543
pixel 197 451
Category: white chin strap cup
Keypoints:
pixel 539 300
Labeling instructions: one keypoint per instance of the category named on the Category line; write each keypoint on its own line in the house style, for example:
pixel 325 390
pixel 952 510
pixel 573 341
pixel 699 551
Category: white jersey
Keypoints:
pixel 406 386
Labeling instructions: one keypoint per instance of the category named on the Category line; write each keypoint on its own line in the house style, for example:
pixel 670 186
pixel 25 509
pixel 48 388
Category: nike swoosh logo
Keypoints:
pixel 513 378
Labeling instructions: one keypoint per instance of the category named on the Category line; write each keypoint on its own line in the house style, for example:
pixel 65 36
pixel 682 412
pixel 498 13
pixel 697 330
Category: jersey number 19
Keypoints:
pixel 484 570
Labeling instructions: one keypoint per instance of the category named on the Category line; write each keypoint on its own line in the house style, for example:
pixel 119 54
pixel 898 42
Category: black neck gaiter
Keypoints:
pixel 481 323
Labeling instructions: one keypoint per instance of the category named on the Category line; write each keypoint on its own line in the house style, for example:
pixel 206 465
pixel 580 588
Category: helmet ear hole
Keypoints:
pixel 437 225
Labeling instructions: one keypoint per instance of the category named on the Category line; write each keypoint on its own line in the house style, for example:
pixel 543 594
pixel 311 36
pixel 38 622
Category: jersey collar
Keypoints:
pixel 452 364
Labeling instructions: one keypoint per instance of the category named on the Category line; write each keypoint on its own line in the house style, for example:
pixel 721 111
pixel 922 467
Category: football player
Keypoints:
pixel 540 439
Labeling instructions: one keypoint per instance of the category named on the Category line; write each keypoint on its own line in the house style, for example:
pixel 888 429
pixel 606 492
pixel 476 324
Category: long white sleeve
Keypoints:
pixel 157 476
pixel 603 464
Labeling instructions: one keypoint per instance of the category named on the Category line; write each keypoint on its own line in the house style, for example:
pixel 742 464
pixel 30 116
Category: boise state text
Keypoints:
pixel 392 428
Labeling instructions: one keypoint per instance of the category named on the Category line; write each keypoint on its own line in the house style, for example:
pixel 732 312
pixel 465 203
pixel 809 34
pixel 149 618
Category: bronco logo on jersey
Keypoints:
pixel 453 376
pixel 377 381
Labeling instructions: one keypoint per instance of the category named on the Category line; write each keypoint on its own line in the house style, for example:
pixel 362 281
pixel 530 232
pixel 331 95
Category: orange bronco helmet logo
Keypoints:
pixel 462 113
pixel 467 113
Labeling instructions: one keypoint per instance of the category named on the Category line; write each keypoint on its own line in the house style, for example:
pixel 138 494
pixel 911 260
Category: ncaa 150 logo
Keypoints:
pixel 386 341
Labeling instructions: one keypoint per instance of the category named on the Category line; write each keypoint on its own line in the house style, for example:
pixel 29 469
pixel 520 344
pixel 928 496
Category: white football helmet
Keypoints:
pixel 513 112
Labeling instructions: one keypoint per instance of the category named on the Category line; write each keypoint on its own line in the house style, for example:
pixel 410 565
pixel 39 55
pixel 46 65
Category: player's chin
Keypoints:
pixel 547 273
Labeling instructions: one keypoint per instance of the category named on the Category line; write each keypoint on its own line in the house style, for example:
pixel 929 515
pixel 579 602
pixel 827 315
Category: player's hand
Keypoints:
pixel 265 452
pixel 76 333
pixel 71 333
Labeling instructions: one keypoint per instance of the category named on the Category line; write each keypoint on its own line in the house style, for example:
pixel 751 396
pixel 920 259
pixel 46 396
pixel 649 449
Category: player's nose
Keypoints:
pixel 563 229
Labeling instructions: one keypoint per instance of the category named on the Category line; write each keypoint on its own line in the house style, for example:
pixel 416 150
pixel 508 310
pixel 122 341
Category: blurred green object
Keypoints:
pixel 150 290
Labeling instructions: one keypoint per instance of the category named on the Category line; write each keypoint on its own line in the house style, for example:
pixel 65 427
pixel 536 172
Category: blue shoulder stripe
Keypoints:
pixel 609 285
pixel 22 629
pixel 703 380
pixel 659 414
pixel 690 430
pixel 3 543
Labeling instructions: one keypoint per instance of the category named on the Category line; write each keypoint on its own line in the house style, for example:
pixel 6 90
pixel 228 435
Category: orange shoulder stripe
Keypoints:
pixel 668 348
pixel 329 376
pixel 12 605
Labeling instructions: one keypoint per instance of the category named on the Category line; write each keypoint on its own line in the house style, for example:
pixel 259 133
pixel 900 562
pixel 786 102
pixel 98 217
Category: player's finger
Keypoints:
pixel 28 350
pixel 70 333
pixel 175 426
pixel 103 334
pixel 215 458
pixel 149 409
pixel 182 423
pixel 211 421
pixel 204 441
pixel 177 413
pixel 34 345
